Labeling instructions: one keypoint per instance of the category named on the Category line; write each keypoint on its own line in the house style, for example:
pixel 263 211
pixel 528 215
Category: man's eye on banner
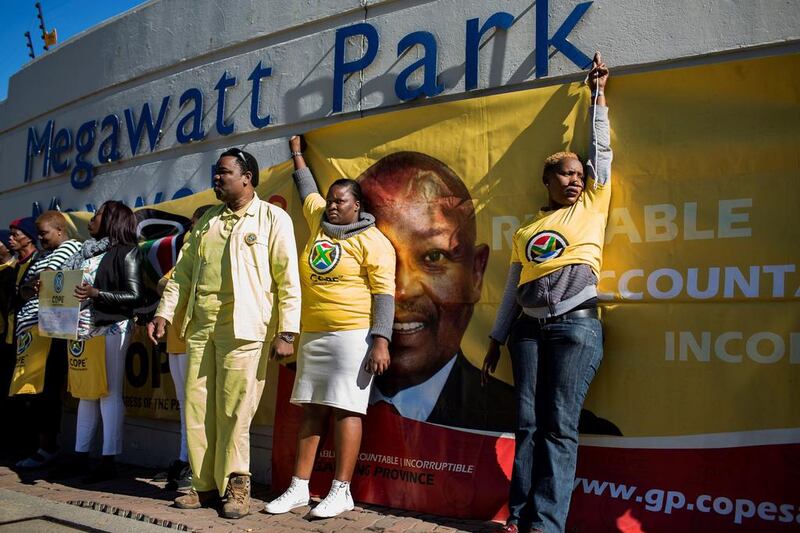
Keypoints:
pixel 160 239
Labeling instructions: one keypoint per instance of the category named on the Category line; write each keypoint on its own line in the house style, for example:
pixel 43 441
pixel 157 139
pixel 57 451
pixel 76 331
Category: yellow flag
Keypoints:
pixel 87 368
pixel 51 37
pixel 32 350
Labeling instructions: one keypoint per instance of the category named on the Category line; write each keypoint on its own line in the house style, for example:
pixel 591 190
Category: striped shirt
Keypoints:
pixel 28 315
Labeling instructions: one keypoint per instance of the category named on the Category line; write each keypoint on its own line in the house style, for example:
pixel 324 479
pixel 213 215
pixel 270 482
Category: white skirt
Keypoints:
pixel 330 370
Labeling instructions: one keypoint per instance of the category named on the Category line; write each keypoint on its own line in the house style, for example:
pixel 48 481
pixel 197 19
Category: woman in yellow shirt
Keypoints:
pixel 347 276
pixel 549 307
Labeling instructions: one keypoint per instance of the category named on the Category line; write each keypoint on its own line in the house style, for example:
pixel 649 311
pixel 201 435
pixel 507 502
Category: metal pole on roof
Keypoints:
pixel 41 24
pixel 30 45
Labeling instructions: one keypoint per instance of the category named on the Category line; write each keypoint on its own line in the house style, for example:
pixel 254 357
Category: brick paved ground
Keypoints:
pixel 134 496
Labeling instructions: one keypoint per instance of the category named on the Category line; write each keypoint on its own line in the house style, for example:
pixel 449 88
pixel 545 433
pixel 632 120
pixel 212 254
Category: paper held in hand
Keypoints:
pixel 58 306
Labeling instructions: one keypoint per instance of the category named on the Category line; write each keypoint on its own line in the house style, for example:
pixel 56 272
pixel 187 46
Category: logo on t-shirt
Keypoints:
pixel 544 246
pixel 76 348
pixel 324 256
pixel 23 342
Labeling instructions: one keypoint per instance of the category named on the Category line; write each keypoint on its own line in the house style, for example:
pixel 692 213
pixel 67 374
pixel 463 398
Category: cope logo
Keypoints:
pixel 544 246
pixel 324 256
pixel 76 348
pixel 58 282
pixel 24 342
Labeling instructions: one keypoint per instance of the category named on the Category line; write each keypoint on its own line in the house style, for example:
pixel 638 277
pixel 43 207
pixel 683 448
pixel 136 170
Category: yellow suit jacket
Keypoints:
pixel 263 266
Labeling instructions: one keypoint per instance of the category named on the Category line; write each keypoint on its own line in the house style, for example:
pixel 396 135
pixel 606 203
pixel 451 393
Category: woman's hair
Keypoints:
pixel 118 223
pixel 246 162
pixel 53 218
pixel 352 185
pixel 552 162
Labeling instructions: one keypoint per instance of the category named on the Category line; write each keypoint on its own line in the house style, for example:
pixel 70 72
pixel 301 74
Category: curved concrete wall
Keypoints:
pixel 163 48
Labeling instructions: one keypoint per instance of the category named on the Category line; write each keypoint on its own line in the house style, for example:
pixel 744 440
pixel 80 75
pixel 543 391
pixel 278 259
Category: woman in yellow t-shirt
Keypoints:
pixel 347 276
pixel 549 308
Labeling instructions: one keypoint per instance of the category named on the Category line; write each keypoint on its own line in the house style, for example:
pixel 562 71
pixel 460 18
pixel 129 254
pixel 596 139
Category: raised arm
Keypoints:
pixel 303 178
pixel 598 166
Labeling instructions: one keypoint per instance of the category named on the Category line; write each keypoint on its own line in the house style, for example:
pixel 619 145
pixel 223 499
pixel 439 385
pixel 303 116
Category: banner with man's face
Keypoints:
pixel 691 423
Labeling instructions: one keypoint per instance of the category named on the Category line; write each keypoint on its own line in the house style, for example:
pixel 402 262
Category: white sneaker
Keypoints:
pixel 336 502
pixel 295 496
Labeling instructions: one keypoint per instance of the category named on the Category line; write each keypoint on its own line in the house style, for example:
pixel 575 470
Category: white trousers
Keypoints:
pixel 111 409
pixel 178 363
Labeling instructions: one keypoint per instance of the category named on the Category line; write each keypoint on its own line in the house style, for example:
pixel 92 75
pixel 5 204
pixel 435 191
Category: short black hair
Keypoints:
pixel 352 185
pixel 246 162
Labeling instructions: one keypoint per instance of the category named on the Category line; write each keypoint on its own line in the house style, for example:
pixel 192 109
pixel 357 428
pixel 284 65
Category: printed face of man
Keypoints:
pixel 439 270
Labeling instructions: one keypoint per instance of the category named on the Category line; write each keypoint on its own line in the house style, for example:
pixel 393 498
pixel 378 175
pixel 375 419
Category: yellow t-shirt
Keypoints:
pixel 567 236
pixel 339 276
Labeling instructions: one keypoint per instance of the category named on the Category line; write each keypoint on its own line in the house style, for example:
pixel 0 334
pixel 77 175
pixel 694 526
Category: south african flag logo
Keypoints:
pixel 324 256
pixel 544 246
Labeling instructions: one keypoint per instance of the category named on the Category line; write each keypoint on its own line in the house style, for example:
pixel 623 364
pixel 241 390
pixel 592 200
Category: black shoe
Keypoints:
pixel 74 467
pixel 105 472
pixel 175 473
pixel 185 481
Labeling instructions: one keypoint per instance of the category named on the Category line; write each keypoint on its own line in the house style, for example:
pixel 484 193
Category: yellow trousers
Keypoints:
pixel 224 382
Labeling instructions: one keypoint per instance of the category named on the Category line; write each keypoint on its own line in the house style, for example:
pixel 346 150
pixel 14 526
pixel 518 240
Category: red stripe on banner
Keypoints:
pixel 165 253
pixel 422 467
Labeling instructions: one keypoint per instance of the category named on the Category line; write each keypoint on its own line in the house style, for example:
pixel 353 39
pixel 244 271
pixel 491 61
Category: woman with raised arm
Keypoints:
pixel 347 274
pixel 549 308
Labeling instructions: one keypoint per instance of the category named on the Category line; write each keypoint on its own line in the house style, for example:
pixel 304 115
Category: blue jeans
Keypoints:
pixel 553 366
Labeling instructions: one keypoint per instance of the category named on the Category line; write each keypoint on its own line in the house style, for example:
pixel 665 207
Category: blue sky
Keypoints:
pixel 69 17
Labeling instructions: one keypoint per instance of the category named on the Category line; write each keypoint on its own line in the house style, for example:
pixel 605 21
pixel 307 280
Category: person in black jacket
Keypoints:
pixel 110 291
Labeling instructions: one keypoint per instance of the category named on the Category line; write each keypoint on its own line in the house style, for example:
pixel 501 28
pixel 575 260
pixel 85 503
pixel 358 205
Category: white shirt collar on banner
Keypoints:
pixel 417 402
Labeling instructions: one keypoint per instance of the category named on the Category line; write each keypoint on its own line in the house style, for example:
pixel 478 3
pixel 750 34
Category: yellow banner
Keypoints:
pixel 699 280
pixel 699 277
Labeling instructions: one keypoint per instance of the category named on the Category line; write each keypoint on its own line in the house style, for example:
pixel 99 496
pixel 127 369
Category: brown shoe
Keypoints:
pixel 196 500
pixel 238 497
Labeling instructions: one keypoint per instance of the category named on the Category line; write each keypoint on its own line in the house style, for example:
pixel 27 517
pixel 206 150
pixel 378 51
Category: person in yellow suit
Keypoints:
pixel 220 298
